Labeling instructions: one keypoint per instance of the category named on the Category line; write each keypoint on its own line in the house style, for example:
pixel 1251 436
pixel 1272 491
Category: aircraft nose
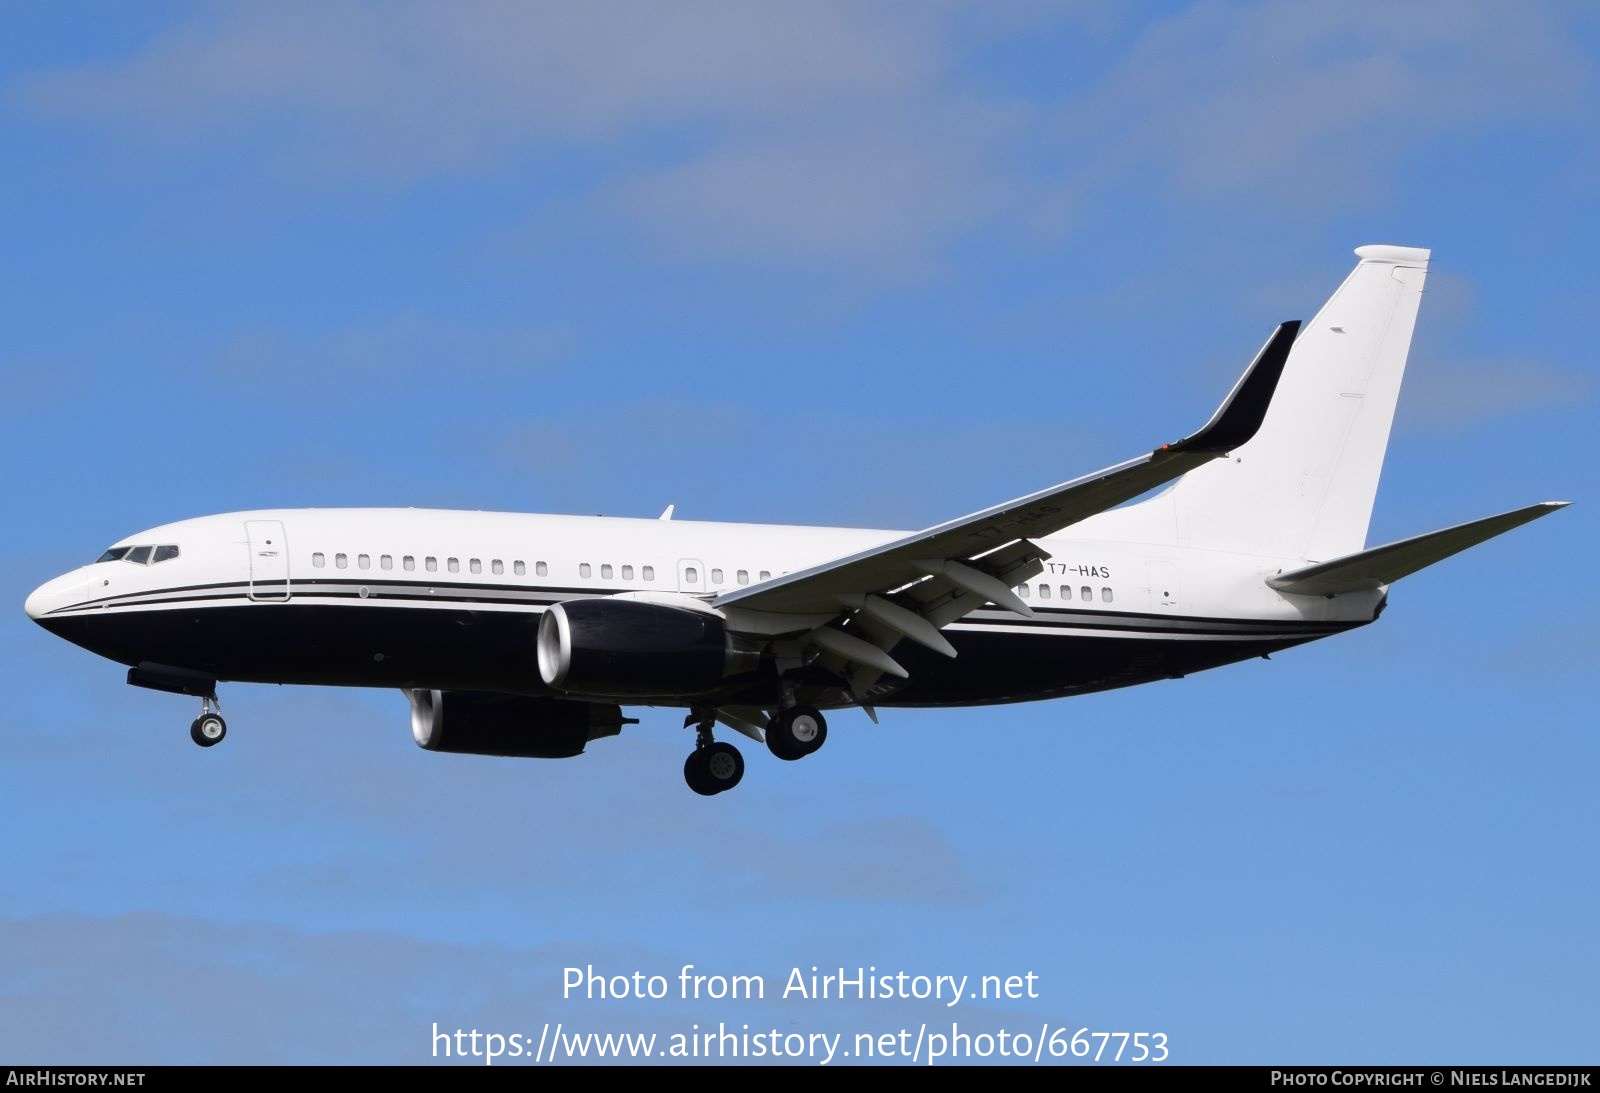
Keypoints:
pixel 56 593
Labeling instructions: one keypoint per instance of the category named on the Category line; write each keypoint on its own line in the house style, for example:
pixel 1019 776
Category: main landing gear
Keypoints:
pixel 208 729
pixel 796 732
pixel 713 766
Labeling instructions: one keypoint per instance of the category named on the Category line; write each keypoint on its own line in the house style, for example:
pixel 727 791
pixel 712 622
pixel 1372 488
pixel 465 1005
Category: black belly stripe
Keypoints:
pixel 1049 620
pixel 398 645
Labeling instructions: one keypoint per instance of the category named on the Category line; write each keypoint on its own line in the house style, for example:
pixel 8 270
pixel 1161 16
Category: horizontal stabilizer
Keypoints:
pixel 1386 564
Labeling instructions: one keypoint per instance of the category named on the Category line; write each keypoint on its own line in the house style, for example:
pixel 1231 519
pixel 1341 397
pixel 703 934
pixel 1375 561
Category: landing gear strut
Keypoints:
pixel 796 732
pixel 713 766
pixel 208 729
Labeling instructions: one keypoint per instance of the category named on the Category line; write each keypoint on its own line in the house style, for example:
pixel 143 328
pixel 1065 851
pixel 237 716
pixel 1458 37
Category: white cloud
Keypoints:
pixel 157 987
pixel 1310 104
pixel 1451 382
pixel 812 133
pixel 399 346
pixel 880 471
pixel 1456 392
pixel 414 89
pixel 830 134
pixel 162 988
pixel 851 196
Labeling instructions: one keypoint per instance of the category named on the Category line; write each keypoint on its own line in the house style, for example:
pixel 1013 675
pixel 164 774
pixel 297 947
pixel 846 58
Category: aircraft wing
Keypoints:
pixel 978 557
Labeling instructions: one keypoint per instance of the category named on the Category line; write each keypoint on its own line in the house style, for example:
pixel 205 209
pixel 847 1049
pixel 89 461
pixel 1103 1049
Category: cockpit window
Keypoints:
pixel 140 555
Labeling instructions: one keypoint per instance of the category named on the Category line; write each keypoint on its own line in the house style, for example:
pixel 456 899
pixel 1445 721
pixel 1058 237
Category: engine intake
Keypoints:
pixel 633 649
pixel 477 723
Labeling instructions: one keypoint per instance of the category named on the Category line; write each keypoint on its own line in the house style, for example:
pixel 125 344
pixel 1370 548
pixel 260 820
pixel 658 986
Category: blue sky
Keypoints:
pixel 833 263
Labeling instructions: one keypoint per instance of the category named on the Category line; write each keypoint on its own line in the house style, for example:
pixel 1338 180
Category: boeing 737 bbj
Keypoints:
pixel 524 635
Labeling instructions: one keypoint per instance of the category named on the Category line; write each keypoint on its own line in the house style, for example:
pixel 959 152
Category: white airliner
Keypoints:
pixel 523 635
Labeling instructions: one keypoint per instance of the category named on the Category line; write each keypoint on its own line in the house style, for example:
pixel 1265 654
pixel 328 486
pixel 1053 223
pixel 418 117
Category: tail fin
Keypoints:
pixel 1303 487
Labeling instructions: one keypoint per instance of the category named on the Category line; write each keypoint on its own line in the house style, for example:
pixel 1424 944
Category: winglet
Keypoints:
pixel 666 513
pixel 1242 412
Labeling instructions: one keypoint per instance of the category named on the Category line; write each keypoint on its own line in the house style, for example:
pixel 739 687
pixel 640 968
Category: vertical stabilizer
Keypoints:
pixel 1303 487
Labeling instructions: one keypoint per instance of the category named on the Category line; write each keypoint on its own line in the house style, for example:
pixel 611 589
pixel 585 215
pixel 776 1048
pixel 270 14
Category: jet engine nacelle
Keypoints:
pixel 628 648
pixel 475 723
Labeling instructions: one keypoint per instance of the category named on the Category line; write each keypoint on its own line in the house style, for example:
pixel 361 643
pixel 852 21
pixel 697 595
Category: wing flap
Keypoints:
pixel 1381 565
pixel 939 602
pixel 942 602
pixel 901 622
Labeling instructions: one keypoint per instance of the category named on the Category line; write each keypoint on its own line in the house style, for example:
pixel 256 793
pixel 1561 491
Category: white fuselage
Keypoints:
pixel 354 596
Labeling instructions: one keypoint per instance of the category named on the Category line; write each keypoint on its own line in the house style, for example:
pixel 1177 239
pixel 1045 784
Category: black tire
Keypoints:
pixel 780 744
pixel 724 765
pixel 796 732
pixel 696 775
pixel 715 768
pixel 208 730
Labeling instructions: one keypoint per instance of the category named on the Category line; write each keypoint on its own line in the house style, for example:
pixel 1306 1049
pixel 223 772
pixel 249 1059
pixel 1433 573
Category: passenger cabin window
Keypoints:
pixel 341 561
pixel 1044 592
pixel 1086 593
pixel 583 569
pixel 1105 595
pixel 363 561
pixel 716 576
pixel 497 567
pixel 540 569
pixel 605 570
pixel 743 576
pixel 453 564
pixel 649 572
pixel 627 572
pixel 1023 590
pixel 319 560
pixel 766 574
pixel 1066 592
pixel 475 566
pixel 408 563
pixel 386 561
pixel 163 553
pixel 691 574
pixel 431 564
